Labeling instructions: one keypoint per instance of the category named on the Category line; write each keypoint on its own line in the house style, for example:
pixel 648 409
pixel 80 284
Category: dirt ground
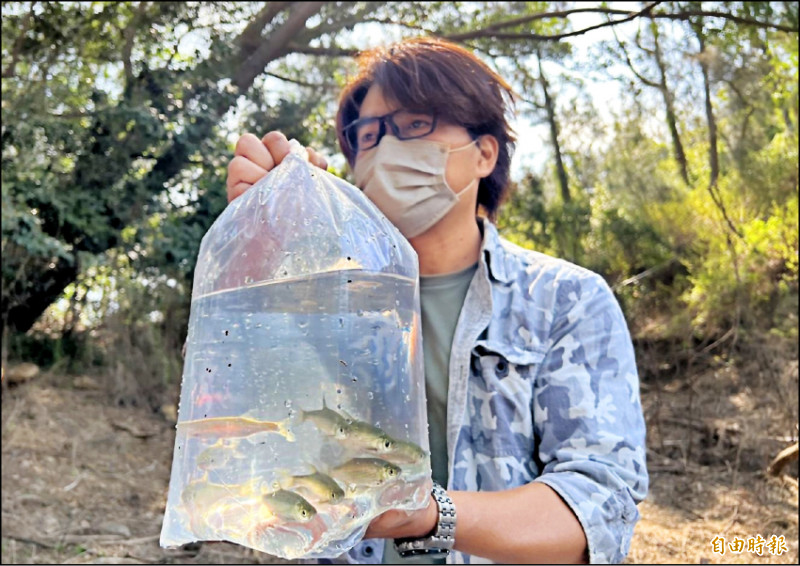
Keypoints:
pixel 85 482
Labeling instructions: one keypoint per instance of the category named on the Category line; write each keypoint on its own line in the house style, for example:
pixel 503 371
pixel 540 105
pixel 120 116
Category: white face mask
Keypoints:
pixel 406 181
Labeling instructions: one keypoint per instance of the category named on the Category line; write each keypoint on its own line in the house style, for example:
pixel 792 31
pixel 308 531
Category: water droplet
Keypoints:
pixel 287 403
pixel 302 324
pixel 339 390
pixel 408 398
pixel 371 395
pixel 248 280
pixel 354 379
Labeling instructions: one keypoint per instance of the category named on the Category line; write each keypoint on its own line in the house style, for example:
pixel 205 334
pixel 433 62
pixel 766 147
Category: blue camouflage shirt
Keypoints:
pixel 544 388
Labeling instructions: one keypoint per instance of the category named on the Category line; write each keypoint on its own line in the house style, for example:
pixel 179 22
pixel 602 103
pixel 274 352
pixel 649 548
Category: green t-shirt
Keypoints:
pixel 441 298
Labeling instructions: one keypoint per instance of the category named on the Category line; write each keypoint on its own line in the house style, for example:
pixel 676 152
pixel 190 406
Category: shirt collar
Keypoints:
pixel 492 250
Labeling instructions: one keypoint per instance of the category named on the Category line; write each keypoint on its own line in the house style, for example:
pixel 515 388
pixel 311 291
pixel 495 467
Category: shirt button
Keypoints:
pixel 501 370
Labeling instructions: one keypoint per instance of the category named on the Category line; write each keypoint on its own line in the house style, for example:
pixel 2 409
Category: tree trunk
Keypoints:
pixel 242 68
pixel 549 104
pixel 50 284
pixel 672 120
pixel 713 155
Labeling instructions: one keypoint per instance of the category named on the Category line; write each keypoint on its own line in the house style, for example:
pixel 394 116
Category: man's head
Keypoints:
pixel 446 81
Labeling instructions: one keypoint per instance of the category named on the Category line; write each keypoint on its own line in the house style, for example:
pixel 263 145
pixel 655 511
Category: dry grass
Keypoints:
pixel 85 481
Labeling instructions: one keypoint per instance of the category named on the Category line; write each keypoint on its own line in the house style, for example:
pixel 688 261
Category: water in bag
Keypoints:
pixel 302 413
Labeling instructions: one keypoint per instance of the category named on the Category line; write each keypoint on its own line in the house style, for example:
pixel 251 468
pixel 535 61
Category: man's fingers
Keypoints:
pixel 242 169
pixel 237 190
pixel 242 173
pixel 277 145
pixel 250 147
pixel 316 159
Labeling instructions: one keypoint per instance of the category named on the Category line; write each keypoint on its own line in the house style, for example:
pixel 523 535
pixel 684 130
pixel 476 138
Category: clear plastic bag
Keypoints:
pixel 302 412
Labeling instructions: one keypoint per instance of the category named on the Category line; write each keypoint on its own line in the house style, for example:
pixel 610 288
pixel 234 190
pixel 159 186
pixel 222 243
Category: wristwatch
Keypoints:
pixel 441 539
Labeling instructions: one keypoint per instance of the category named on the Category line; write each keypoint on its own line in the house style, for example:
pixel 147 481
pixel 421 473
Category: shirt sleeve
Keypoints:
pixel 588 416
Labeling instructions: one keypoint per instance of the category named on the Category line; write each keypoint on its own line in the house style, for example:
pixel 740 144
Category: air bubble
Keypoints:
pixel 371 395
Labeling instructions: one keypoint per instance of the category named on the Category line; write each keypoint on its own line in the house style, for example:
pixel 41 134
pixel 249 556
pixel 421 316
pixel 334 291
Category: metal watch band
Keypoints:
pixel 443 537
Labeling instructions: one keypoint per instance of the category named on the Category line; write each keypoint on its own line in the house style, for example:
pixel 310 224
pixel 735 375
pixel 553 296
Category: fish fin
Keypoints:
pixel 283 480
pixel 347 416
pixel 283 429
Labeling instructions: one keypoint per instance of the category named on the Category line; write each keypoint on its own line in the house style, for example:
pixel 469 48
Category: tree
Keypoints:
pixel 111 108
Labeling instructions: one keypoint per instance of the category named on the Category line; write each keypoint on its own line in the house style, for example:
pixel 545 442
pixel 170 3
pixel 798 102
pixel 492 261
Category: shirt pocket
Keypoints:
pixel 500 408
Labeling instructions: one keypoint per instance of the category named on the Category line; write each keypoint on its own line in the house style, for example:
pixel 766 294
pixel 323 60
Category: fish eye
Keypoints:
pixel 387 443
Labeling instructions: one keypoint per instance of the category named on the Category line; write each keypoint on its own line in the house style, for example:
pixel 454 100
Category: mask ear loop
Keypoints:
pixel 462 148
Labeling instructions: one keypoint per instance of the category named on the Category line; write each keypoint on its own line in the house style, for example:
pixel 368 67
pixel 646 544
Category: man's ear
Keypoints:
pixel 490 149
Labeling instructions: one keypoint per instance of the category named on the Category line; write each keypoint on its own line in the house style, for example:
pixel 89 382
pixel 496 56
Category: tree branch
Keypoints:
pixel 642 78
pixel 323 51
pixel 9 71
pixel 487 32
pixel 714 14
pixel 299 82
pixel 563 14
pixel 128 35
pixel 389 22
pixel 275 45
pixel 251 37
pixel 351 20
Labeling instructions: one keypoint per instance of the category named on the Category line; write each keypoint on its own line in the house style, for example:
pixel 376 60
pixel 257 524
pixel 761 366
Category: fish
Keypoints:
pixel 233 427
pixel 363 436
pixel 225 508
pixel 318 486
pixel 202 496
pixel 404 451
pixel 218 455
pixel 369 472
pixel 288 506
pixel 327 421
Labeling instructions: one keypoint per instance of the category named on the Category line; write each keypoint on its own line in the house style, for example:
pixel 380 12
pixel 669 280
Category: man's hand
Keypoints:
pixel 405 524
pixel 254 158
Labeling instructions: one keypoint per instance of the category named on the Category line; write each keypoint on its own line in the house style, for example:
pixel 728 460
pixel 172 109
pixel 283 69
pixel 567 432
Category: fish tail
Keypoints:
pixel 283 480
pixel 283 430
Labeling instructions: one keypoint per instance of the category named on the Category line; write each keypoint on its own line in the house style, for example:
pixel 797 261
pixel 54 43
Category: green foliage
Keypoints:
pixel 119 121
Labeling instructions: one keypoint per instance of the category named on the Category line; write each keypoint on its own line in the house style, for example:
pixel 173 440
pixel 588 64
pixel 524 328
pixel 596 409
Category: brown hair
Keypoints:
pixel 435 75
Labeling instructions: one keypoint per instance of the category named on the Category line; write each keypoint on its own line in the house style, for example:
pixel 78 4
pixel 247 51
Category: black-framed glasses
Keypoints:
pixel 366 133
